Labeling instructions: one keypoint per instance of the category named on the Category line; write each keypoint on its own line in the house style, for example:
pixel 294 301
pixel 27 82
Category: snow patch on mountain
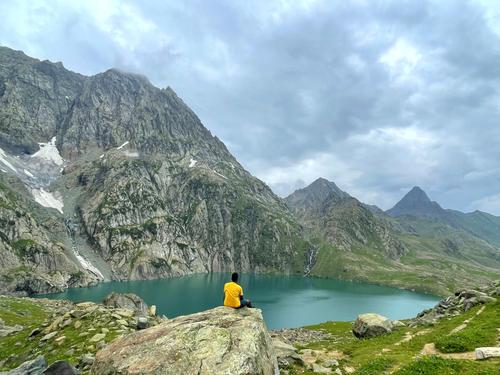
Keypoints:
pixel 47 199
pixel 48 151
pixel 122 146
pixel 192 163
pixel 221 175
pixel 3 159
pixel 131 154
pixel 87 265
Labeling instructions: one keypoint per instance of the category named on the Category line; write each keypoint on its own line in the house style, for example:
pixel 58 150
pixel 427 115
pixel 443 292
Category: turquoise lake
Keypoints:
pixel 286 301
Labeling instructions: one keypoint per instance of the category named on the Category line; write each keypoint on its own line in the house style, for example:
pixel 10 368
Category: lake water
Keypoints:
pixel 286 301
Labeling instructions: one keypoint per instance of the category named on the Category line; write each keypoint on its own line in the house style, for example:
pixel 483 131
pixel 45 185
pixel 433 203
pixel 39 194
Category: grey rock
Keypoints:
pixel 331 363
pixel 33 367
pixel 127 301
pixel 321 369
pixel 49 336
pixel 398 323
pixel 8 330
pixel 61 368
pixel 221 341
pixel 286 354
pixel 142 322
pixel 371 325
pixel 487 352
pixel 35 332
pixel 97 337
pixel 87 359
pixel 485 299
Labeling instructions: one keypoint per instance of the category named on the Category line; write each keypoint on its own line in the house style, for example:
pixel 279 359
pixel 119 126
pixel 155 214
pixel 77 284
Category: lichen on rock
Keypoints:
pixel 220 341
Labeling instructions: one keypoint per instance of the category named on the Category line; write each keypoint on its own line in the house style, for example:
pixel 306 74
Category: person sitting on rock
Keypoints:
pixel 233 294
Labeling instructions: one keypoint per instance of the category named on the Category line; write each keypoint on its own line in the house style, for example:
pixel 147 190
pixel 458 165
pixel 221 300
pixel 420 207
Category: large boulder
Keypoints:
pixel 285 353
pixel 371 325
pixel 128 301
pixel 33 367
pixel 221 341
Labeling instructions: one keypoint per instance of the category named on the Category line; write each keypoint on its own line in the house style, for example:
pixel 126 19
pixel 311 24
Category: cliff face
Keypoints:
pixel 144 188
pixel 32 258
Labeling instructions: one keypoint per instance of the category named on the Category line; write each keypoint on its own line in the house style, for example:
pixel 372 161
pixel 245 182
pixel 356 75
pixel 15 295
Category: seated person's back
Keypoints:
pixel 233 294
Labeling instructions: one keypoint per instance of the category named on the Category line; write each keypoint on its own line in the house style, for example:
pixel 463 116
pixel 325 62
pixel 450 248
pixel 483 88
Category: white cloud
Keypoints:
pixel 490 204
pixel 402 58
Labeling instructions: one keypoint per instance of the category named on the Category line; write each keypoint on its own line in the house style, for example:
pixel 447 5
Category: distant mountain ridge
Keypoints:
pixel 416 203
pixel 414 241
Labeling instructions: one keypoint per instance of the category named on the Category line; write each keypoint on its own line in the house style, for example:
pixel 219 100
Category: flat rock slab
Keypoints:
pixel 488 352
pixel 221 341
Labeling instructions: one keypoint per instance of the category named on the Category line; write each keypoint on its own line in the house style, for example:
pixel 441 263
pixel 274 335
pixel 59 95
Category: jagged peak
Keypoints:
pixel 317 194
pixel 122 73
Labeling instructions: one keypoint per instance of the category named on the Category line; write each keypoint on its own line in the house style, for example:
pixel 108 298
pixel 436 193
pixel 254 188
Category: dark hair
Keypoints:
pixel 234 277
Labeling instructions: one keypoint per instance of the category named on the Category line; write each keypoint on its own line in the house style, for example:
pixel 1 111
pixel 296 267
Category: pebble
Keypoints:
pixel 97 337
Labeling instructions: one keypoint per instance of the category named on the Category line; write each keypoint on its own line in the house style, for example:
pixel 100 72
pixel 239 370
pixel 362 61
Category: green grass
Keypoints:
pixel 377 366
pixel 481 331
pixel 434 365
pixel 19 347
pixel 367 357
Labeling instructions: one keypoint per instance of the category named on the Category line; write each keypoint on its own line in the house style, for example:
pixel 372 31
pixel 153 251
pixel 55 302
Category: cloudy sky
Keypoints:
pixel 376 96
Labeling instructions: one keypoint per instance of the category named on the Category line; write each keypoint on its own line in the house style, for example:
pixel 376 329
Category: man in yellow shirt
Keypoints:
pixel 233 294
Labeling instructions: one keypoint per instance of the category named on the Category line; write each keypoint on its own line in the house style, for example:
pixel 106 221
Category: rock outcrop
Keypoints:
pixel 127 301
pixel 371 325
pixel 461 301
pixel 221 341
pixel 32 260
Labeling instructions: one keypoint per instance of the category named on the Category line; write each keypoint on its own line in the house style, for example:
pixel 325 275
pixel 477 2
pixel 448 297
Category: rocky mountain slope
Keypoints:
pixel 142 187
pixel 346 222
pixel 419 250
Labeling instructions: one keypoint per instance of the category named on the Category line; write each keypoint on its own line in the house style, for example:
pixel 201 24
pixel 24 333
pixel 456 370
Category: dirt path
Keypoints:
pixel 430 349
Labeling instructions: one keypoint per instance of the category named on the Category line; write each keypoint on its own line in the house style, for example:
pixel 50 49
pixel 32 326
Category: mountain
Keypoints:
pixel 138 187
pixel 346 222
pixel 414 247
pixel 108 177
pixel 417 203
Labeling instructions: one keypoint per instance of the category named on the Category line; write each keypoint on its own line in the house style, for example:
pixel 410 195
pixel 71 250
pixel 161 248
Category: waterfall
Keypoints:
pixel 311 260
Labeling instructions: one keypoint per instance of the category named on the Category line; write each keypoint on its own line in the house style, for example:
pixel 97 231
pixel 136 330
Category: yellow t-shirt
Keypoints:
pixel 232 292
